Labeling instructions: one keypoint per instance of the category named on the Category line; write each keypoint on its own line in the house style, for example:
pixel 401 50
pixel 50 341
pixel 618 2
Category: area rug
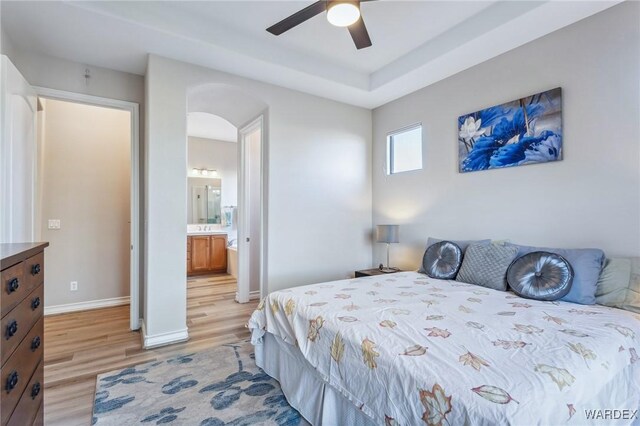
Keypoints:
pixel 219 386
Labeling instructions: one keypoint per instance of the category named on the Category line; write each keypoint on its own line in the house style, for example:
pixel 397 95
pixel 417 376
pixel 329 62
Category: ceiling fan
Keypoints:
pixel 341 13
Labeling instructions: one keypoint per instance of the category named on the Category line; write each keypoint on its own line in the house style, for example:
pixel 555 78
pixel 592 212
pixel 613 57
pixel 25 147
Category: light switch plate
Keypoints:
pixel 54 224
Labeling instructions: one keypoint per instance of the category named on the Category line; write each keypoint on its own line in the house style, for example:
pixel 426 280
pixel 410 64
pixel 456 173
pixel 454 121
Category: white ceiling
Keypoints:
pixel 209 126
pixel 406 25
pixel 415 43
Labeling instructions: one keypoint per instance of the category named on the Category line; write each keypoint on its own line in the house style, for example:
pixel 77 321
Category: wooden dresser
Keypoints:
pixel 22 340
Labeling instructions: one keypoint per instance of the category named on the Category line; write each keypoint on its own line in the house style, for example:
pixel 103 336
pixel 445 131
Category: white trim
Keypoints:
pixel 143 331
pixel 133 108
pixel 163 339
pixel 244 294
pixel 63 95
pixel 253 295
pixel 264 202
pixel 85 306
pixel 12 82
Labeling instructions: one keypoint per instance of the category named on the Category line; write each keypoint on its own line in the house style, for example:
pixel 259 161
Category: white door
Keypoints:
pixel 17 156
pixel 250 212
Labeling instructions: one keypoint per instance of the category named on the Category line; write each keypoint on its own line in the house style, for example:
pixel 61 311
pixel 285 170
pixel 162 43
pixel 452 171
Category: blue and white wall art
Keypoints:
pixel 525 131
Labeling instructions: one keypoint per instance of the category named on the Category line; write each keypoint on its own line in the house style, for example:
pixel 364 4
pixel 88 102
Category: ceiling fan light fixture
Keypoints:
pixel 343 14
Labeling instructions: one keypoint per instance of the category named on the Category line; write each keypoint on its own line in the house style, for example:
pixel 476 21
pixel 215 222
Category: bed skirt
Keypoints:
pixel 317 401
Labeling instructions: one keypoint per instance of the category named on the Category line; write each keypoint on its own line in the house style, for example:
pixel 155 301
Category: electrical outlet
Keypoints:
pixel 73 286
pixel 54 224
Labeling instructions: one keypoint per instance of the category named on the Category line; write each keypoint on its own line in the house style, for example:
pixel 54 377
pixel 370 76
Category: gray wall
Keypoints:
pixel 318 187
pixel 221 156
pixel 56 73
pixel 589 199
pixel 6 44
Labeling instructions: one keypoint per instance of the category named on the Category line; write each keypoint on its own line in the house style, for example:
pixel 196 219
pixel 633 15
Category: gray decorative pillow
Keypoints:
pixel 619 284
pixel 632 301
pixel 442 260
pixel 586 265
pixel 486 265
pixel 463 244
pixel 540 275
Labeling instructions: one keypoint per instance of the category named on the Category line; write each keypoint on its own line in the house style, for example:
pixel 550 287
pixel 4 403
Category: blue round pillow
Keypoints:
pixel 442 260
pixel 540 275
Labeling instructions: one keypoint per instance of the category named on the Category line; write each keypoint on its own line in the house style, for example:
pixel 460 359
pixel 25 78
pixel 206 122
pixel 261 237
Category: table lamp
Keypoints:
pixel 387 234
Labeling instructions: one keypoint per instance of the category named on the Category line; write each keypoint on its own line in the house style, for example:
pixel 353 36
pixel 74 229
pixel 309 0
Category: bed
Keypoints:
pixel 404 349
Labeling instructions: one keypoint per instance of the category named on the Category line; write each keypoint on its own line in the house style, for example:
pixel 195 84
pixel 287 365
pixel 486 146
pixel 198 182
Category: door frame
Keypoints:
pixel 134 109
pixel 244 258
pixel 6 150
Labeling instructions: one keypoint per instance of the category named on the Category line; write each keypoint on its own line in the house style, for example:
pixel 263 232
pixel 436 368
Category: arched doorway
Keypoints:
pixel 249 115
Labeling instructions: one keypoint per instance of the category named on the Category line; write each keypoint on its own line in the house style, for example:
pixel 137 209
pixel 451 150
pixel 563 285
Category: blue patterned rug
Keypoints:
pixel 220 386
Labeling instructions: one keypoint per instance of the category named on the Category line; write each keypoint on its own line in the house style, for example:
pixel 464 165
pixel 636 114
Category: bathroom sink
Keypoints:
pixel 212 232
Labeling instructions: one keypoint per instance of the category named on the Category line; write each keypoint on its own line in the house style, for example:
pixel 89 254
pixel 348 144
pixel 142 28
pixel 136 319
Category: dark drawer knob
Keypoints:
pixel 11 330
pixel 35 390
pixel 35 343
pixel 12 381
pixel 35 303
pixel 13 285
pixel 35 269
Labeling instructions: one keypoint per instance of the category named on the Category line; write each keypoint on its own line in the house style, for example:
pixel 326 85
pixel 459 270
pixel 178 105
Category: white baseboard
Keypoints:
pixel 85 306
pixel 253 295
pixel 162 339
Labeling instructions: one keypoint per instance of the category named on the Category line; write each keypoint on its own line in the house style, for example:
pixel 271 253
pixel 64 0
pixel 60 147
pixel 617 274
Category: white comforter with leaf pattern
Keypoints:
pixel 407 349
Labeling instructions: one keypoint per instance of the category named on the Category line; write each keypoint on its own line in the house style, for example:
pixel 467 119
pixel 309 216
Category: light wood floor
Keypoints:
pixel 79 346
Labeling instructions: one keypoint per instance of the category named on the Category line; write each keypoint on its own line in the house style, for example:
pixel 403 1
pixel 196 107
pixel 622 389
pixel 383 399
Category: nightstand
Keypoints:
pixel 372 272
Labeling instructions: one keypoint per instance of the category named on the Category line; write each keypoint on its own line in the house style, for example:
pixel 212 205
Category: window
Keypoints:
pixel 404 150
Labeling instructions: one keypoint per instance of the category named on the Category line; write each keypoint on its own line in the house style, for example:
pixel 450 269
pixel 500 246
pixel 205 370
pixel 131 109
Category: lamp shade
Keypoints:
pixel 387 233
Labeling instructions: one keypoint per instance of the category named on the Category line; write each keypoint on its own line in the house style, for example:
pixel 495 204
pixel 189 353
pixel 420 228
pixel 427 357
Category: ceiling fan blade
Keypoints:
pixel 359 34
pixel 298 18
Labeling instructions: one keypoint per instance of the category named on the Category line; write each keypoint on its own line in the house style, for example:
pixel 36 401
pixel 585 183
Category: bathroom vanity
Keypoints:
pixel 206 253
pixel 210 226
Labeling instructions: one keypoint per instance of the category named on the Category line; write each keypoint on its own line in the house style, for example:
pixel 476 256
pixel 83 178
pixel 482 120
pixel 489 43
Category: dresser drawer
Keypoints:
pixel 17 371
pixel 26 411
pixel 17 323
pixel 39 420
pixel 14 287
pixel 34 270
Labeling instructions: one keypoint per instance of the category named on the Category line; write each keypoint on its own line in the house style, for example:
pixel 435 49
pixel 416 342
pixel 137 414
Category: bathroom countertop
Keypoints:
pixel 208 229
pixel 212 232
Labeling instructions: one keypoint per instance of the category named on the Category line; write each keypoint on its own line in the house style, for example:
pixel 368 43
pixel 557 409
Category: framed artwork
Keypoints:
pixel 517 133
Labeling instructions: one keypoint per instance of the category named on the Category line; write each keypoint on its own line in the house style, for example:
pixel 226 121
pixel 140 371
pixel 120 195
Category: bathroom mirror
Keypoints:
pixel 204 204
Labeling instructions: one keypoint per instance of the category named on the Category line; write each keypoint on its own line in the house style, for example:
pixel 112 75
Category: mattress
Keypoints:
pixel 407 349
